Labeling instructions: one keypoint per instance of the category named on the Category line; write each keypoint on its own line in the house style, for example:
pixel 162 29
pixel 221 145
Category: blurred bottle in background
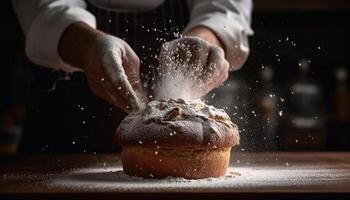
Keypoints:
pixel 339 133
pixel 267 118
pixel 304 124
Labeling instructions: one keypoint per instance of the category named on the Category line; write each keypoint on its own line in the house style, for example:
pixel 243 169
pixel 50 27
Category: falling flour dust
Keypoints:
pixel 178 77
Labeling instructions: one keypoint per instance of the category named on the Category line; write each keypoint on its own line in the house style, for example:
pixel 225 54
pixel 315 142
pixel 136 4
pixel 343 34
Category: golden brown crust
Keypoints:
pixel 187 163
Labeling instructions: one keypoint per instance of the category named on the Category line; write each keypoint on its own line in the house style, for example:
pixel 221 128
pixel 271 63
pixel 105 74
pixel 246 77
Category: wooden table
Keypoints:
pixel 251 175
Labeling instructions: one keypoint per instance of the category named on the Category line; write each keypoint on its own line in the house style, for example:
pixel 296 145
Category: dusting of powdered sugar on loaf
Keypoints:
pixel 161 109
pixel 176 122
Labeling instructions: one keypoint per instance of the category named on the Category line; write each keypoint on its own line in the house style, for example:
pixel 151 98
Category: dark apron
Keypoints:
pixel 63 115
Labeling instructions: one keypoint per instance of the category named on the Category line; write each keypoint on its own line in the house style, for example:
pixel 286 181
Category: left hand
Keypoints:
pixel 203 63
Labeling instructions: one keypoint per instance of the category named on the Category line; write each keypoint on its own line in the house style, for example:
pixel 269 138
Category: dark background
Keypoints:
pixel 285 33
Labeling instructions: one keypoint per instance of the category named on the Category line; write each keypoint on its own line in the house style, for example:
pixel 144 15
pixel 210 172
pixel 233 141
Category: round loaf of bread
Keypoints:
pixel 177 138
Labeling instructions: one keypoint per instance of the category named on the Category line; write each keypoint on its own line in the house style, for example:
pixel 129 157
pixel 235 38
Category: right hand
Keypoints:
pixel 112 69
pixel 201 62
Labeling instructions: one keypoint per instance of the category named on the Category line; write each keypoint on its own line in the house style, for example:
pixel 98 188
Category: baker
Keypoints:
pixel 98 61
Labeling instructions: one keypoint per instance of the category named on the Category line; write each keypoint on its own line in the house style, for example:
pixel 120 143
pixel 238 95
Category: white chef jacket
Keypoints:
pixel 44 21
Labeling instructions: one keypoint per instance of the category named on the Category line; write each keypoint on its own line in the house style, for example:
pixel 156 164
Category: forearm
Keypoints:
pixel 76 44
pixel 43 23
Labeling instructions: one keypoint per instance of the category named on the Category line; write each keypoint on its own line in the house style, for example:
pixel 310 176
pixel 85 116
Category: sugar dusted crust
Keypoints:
pixel 178 123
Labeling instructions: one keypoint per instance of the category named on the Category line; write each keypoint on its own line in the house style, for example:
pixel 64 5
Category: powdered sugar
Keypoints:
pixel 113 178
pixel 306 172
pixel 236 179
pixel 175 85
pixel 187 123
pixel 161 109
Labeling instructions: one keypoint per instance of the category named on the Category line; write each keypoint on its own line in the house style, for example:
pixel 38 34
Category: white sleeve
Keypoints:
pixel 230 20
pixel 43 22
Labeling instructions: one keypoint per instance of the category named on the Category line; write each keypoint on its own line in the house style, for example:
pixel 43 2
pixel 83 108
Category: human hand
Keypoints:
pixel 112 68
pixel 200 61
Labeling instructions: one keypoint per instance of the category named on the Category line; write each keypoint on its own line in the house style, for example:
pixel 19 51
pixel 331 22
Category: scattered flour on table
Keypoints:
pixel 100 179
pixel 242 178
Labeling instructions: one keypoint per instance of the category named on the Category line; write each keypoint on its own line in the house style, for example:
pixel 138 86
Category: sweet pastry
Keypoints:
pixel 177 138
